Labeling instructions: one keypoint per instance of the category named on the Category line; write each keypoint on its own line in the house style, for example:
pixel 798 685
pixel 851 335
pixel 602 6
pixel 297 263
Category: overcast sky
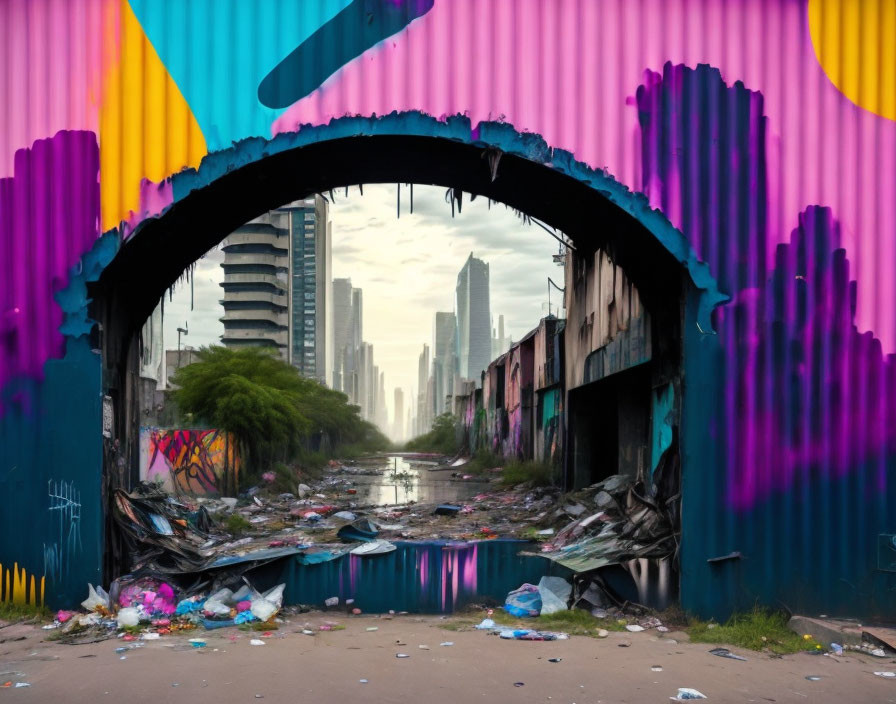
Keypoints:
pixel 407 268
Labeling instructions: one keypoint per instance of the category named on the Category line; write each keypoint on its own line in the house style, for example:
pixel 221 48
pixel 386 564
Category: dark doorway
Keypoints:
pixel 610 427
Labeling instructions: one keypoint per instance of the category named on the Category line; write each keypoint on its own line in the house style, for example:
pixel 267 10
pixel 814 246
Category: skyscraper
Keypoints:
pixel 424 415
pixel 398 416
pixel 474 332
pixel 444 359
pixel 256 296
pixel 310 289
pixel 342 330
pixel 277 289
pixel 499 345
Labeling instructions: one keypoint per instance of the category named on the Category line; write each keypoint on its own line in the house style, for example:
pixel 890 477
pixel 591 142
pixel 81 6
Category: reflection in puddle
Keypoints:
pixel 403 481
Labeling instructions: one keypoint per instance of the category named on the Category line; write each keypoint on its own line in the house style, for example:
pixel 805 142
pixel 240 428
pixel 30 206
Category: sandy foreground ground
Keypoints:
pixel 329 666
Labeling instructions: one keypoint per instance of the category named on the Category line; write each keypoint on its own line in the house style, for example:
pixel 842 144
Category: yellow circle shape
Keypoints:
pixel 855 43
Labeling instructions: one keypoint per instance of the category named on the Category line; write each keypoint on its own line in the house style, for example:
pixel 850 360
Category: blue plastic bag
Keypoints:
pixel 523 602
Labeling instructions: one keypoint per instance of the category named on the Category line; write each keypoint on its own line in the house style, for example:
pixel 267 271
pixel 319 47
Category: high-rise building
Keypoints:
pixel 277 289
pixel 310 288
pixel 424 389
pixel 474 330
pixel 256 296
pixel 342 328
pixel 499 343
pixel 444 365
pixel 398 416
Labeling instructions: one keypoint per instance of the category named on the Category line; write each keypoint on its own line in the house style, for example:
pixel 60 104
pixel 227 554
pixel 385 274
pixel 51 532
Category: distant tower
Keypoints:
pixel 474 333
pixel 398 415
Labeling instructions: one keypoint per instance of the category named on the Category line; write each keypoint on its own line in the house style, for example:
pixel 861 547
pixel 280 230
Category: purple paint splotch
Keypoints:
pixel 49 215
pixel 805 396
pixel 817 399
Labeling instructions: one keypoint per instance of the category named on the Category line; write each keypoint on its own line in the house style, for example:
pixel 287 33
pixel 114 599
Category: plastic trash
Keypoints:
pixel 363 681
pixel 241 594
pixel 602 633
pixel 265 606
pixel 22 684
pixel 402 655
pixel 345 516
pixel 686 693
pixel 447 643
pixel 634 628
pixel 151 636
pixel 656 668
pixel 837 649
pixel 256 641
pixel 555 592
pixel 373 628
pixel 244 617
pixel 332 601
pixel 128 616
pixel 886 674
pixel 523 602
pixel 486 624
pixel 725 653
pixel 262 609
pixel 813 678
pixel 95 597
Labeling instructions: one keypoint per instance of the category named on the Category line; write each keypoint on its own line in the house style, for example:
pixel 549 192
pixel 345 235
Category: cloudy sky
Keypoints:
pixel 407 268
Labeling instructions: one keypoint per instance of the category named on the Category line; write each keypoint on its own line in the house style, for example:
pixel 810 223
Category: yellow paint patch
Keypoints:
pixel 855 43
pixel 16 590
pixel 147 130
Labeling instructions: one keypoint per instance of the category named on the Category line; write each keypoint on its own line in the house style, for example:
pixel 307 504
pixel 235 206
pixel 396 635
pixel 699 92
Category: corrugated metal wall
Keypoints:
pixel 764 130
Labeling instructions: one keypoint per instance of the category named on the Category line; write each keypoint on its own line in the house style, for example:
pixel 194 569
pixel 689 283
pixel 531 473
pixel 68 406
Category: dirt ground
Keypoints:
pixel 329 666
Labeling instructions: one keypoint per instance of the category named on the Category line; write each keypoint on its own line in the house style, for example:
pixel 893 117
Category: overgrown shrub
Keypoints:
pixel 538 473
pixel 441 438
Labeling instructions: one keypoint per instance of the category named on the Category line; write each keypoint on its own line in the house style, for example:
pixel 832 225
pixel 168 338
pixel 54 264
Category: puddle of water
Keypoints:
pixel 403 481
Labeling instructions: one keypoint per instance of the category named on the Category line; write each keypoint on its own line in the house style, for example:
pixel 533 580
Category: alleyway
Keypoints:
pixel 329 667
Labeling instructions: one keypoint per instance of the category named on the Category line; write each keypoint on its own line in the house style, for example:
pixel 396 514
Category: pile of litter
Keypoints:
pixel 150 607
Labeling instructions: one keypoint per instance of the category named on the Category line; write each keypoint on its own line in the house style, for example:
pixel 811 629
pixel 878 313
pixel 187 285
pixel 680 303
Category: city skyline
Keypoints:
pixel 407 268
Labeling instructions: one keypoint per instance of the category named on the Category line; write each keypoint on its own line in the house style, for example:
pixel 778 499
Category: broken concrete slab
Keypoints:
pixel 827 630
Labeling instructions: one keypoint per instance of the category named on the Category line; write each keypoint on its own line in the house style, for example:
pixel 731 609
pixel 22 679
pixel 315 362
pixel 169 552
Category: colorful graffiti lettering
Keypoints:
pixel 190 461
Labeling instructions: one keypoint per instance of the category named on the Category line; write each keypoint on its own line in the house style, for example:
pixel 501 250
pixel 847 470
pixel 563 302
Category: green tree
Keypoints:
pixel 441 438
pixel 274 412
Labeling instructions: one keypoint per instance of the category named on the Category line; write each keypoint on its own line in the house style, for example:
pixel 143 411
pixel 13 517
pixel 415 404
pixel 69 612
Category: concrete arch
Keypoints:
pixel 255 175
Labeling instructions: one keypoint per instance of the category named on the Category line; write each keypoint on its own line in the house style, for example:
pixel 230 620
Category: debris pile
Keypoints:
pixel 614 521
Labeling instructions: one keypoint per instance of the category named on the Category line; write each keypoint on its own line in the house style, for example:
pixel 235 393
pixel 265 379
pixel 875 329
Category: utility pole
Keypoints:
pixel 180 331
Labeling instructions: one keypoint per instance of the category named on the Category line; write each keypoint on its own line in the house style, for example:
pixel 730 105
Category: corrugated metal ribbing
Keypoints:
pixel 763 130
pixel 422 577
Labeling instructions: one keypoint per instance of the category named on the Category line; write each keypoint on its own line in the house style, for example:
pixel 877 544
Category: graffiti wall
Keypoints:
pixel 190 461
pixel 755 140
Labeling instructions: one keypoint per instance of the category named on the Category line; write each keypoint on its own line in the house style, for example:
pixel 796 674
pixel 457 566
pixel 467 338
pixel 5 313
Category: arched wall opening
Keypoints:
pixel 604 222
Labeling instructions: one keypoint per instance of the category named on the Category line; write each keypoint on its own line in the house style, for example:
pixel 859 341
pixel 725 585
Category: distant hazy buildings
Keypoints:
pixel 444 363
pixel 398 416
pixel 474 329
pixel 424 394
pixel 499 344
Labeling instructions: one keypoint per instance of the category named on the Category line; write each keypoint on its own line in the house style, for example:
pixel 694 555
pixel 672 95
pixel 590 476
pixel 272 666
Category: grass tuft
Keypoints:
pixel 481 462
pixel 24 612
pixel 516 472
pixel 758 629
pixel 236 524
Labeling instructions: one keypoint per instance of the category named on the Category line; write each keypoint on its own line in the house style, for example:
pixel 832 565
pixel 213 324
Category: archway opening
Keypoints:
pixel 625 289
